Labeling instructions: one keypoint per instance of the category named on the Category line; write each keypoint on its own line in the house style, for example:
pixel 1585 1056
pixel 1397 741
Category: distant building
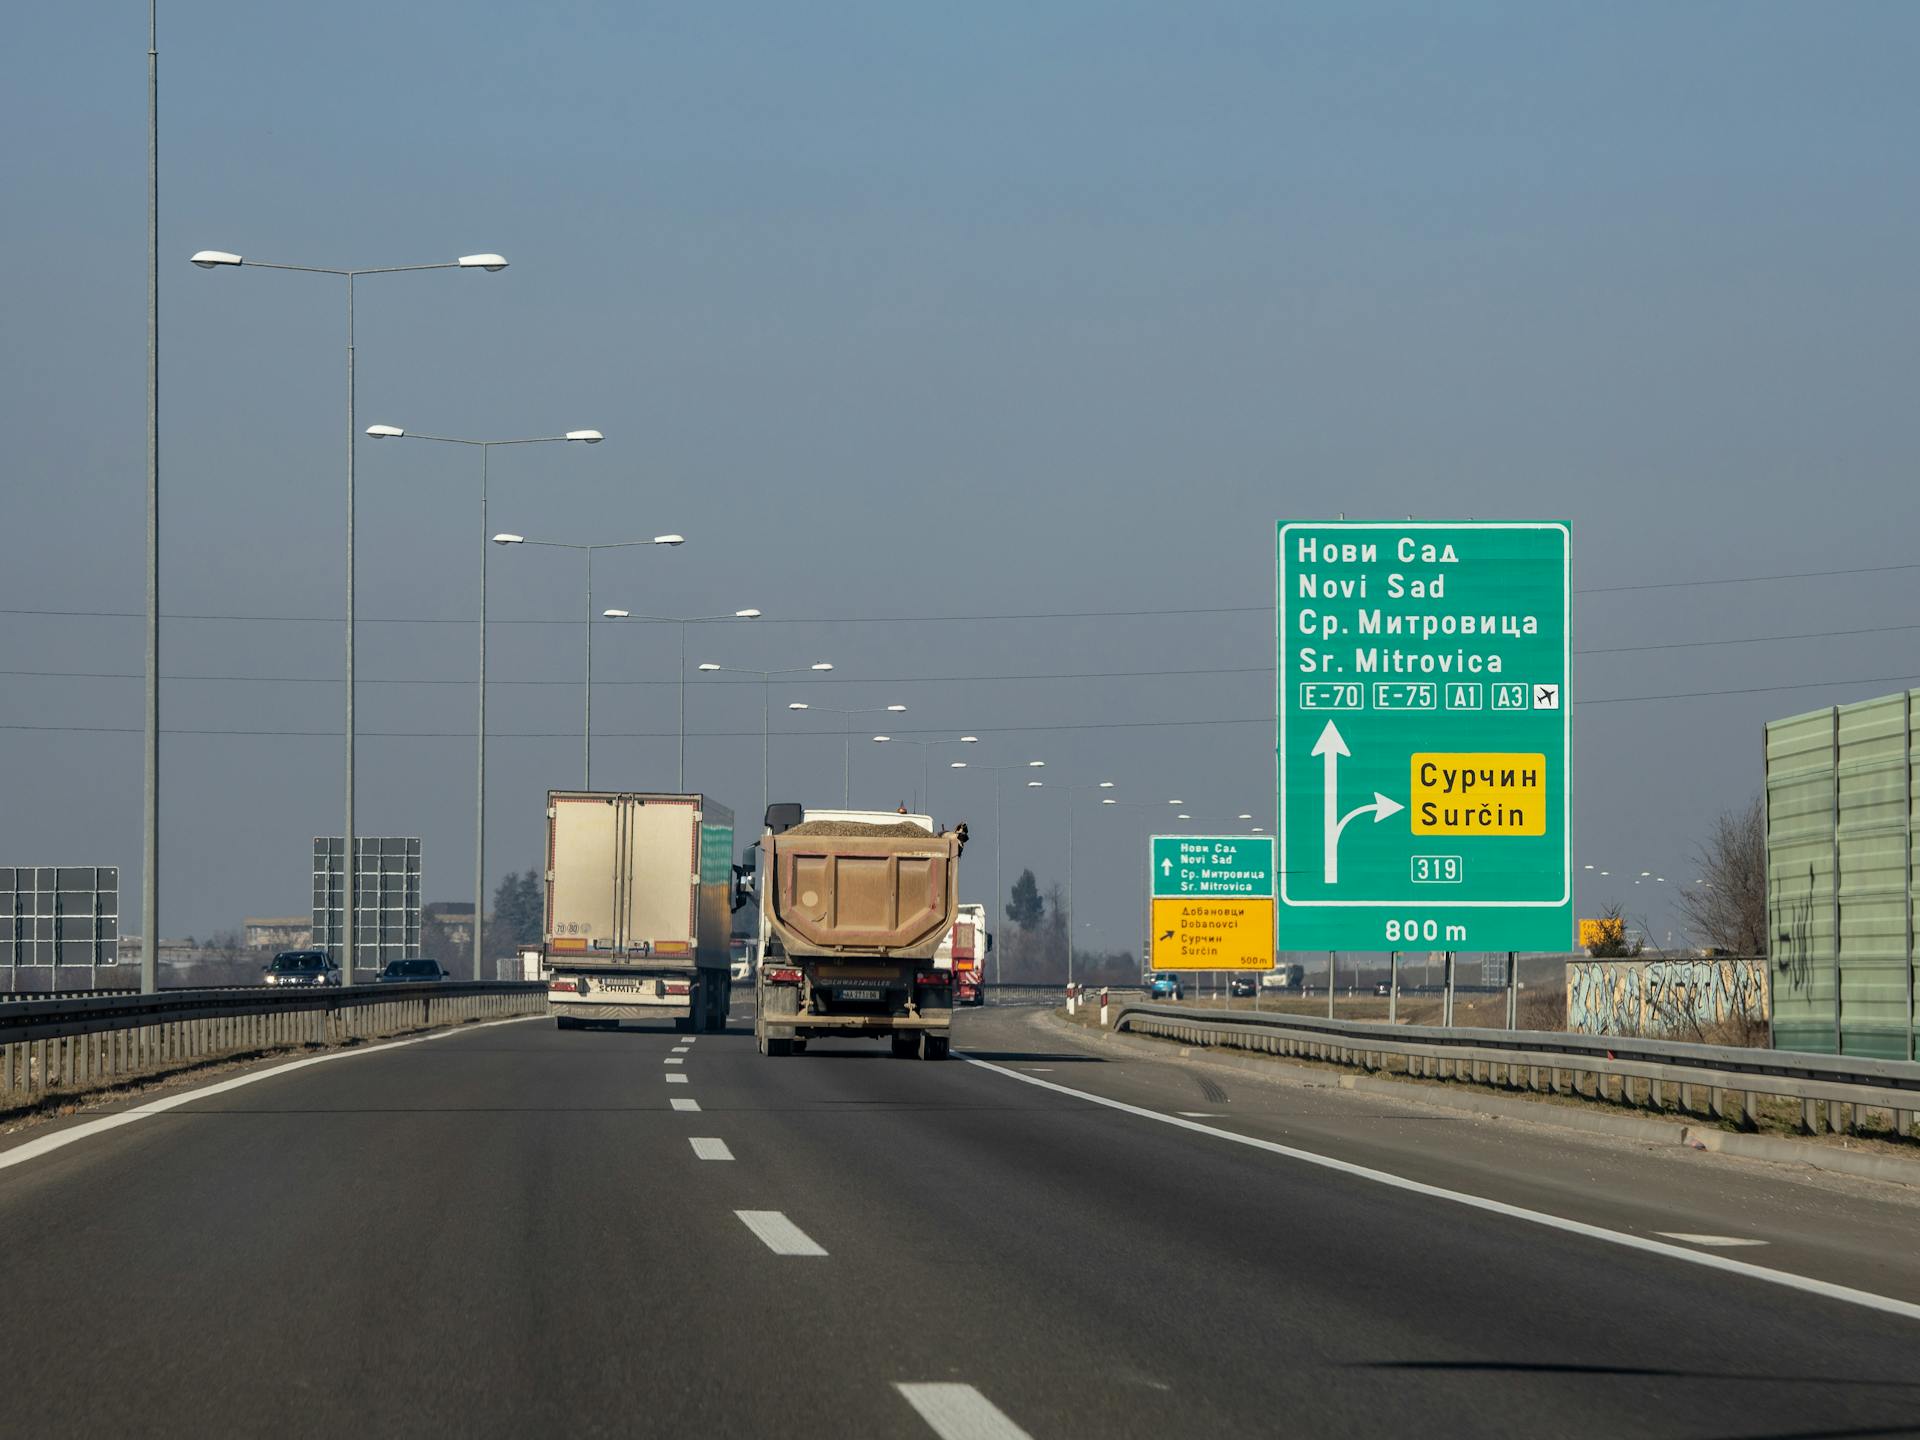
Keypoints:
pixel 277 932
pixel 454 917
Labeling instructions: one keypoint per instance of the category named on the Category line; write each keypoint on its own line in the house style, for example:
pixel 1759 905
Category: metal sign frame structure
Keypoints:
pixel 1415 655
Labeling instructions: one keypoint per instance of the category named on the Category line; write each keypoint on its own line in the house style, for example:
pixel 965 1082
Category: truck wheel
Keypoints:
pixel 799 1047
pixel 779 1047
pixel 905 1044
pixel 565 1022
pixel 932 1046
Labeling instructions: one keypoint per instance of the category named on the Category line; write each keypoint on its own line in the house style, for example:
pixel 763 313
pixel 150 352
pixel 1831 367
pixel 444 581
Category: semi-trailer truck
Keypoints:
pixel 639 913
pixel 965 949
pixel 853 907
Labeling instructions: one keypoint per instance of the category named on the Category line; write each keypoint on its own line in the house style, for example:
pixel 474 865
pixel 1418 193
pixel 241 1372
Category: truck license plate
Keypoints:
pixel 849 992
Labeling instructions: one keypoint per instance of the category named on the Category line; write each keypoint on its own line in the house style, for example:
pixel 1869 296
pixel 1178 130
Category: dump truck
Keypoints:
pixel 965 949
pixel 854 905
pixel 639 908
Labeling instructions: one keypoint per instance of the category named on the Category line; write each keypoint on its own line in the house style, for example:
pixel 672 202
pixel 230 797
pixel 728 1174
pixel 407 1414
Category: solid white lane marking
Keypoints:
pixel 47 1144
pixel 673 1060
pixel 710 1149
pixel 779 1234
pixel 680 1104
pixel 960 1412
pixel 1784 1278
pixel 676 1079
pixel 1719 1242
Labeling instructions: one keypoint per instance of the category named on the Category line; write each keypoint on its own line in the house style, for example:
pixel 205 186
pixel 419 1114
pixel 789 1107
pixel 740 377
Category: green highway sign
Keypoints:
pixel 1236 867
pixel 1422 751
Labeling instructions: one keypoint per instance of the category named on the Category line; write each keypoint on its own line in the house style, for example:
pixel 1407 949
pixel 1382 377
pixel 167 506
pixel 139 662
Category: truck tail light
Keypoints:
pixel 678 987
pixel 932 977
pixel 781 976
pixel 566 987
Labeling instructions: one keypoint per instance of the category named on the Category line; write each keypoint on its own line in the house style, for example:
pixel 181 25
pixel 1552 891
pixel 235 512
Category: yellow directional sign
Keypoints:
pixel 1190 934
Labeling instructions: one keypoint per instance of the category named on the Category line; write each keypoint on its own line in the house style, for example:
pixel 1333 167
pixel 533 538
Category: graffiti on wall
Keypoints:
pixel 1676 998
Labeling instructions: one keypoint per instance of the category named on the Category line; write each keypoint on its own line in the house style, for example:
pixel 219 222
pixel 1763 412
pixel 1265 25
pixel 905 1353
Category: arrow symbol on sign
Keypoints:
pixel 1166 867
pixel 1330 747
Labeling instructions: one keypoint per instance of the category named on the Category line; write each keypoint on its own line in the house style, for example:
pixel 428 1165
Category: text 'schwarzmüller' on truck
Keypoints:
pixel 639 892
pixel 853 907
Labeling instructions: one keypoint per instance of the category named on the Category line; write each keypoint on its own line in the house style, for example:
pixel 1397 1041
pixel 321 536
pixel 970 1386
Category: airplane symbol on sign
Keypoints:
pixel 1546 697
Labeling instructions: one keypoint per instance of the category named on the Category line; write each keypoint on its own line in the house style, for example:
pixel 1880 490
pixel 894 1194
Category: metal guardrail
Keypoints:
pixel 74 1043
pixel 1627 1070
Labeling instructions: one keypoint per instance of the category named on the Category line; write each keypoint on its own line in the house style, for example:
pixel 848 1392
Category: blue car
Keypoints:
pixel 1166 987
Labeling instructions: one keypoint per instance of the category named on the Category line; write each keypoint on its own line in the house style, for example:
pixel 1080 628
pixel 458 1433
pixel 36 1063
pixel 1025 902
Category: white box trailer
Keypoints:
pixel 639 908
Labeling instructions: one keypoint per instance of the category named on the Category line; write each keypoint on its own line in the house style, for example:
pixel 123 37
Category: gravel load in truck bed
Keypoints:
pixel 851 828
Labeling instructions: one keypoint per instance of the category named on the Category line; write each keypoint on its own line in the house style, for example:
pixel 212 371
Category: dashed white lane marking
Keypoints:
pixel 960 1412
pixel 33 1149
pixel 710 1149
pixel 673 1060
pixel 1038 1069
pixel 779 1234
pixel 680 1104
pixel 1786 1279
pixel 1717 1242
pixel 679 1049
pixel 676 1079
pixel 1199 1114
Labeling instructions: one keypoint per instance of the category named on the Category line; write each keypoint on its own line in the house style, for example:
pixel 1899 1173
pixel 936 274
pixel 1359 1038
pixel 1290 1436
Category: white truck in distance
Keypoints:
pixel 639 891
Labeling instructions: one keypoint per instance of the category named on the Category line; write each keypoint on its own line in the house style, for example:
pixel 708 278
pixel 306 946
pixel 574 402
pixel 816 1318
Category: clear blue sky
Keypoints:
pixel 919 310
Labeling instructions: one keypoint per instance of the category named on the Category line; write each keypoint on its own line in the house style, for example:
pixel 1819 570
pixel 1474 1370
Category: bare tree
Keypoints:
pixel 1726 909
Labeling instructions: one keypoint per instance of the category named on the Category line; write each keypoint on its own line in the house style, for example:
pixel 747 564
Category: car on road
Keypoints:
pixel 1383 989
pixel 410 972
pixel 1243 985
pixel 302 967
pixel 1166 987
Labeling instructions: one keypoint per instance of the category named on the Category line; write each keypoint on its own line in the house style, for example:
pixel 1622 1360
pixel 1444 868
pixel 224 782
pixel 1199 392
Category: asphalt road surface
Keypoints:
pixel 515 1231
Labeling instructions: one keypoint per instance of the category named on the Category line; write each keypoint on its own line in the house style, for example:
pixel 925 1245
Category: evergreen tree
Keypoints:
pixel 1025 907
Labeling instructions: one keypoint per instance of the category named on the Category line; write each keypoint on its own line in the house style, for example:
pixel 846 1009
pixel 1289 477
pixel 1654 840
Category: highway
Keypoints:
pixel 509 1230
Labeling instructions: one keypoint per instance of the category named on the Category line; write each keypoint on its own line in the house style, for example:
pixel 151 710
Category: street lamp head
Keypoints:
pixel 615 614
pixel 799 705
pixel 207 259
pixel 509 539
pixel 669 539
pixel 1108 785
pixel 896 709
pixel 881 739
pixel 1035 784
pixel 1036 764
pixel 1183 817
pixel 746 614
pixel 1176 802
pixel 969 739
pixel 823 665
pixel 1109 801
pixel 956 765
pixel 493 264
pixel 709 666
pixel 1243 817
pixel 385 432
pixel 590 437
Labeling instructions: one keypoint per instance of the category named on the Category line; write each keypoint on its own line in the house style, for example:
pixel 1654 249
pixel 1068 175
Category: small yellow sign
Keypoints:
pixel 1598 932
pixel 1212 934
pixel 1478 794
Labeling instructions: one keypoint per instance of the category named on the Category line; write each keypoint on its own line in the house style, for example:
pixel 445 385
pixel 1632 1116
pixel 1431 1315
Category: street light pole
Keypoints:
pixel 212 259
pixel 586 730
pixel 150 744
pixel 998 836
pixel 680 623
pixel 765 680
pixel 846 741
pixel 485 447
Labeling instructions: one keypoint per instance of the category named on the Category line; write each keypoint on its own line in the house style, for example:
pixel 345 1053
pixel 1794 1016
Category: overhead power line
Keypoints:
pixel 574 735
pixel 1262 609
pixel 914 679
